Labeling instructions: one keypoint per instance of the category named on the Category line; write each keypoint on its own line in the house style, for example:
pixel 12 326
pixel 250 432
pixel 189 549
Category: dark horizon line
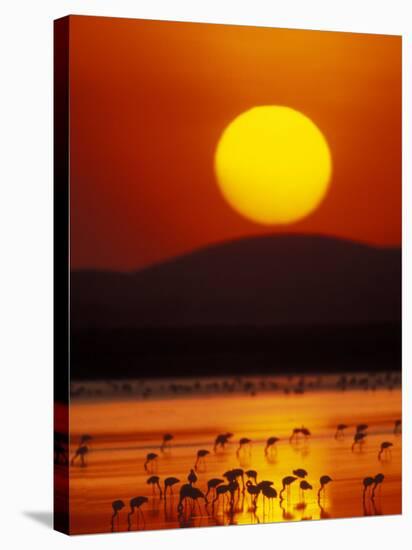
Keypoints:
pixel 215 245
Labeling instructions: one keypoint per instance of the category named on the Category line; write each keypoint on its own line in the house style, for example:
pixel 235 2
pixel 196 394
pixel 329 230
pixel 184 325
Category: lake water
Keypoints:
pixel 125 430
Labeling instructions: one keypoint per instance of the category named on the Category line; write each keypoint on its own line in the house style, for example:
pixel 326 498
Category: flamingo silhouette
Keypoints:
pixel 239 473
pixel 192 477
pixel 168 484
pixel 378 480
pixel 150 458
pixel 212 484
pixel 243 442
pixel 385 448
pixel 117 505
pixel 270 444
pixel 269 492
pixel 253 491
pixel 187 491
pixel 340 429
pixel 154 481
pixel 167 438
pixel 300 472
pixel 221 441
pixel 80 452
pixel 304 486
pixel 135 505
pixel 324 480
pixel 200 458
pixel 358 439
pixel 251 474
pixel 367 482
pixel 286 483
pixel 220 490
pixel 361 428
pixel 85 438
pixel 397 428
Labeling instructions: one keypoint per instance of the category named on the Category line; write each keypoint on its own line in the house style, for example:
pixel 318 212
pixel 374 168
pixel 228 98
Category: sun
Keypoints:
pixel 273 165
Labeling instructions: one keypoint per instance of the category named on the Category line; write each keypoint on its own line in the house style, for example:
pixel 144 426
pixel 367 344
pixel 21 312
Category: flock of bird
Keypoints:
pixel 236 483
pixel 291 385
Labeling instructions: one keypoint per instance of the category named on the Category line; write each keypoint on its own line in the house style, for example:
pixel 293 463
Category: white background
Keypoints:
pixel 26 270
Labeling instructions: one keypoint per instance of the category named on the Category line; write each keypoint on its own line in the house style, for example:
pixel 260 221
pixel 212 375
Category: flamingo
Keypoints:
pixel 135 504
pixel 167 438
pixel 188 491
pixel 294 435
pixel 150 458
pixel 253 491
pixel 305 486
pixel 361 428
pixel 220 490
pixel 269 492
pixel 154 481
pixel 168 484
pixel 192 477
pixel 200 458
pixel 238 472
pixel 212 484
pixel 117 505
pixel 286 483
pixel 80 452
pixel 385 448
pixel 270 444
pixel 378 480
pixel 339 434
pixel 358 439
pixel 367 482
pixel 324 480
pixel 251 474
pixel 221 441
pixel 300 472
pixel 243 442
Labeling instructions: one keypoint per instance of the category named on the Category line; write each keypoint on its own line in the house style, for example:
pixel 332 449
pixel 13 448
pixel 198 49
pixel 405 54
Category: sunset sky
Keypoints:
pixel 149 101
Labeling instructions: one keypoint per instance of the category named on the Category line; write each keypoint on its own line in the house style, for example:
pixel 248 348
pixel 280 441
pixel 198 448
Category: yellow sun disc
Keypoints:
pixel 273 165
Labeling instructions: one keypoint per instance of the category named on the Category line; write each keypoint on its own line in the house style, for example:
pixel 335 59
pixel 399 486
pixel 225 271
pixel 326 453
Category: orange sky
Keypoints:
pixel 150 99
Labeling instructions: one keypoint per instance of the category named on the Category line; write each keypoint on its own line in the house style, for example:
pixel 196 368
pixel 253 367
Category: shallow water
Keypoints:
pixel 124 431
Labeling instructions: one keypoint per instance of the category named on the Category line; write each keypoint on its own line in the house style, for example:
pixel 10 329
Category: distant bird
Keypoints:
pixel 300 472
pixel 397 428
pixel 243 442
pixel 251 474
pixel 378 480
pixel 168 484
pixel 167 438
pixel 80 452
pixel 270 444
pixel 367 482
pixel 305 432
pixel 187 491
pixel 239 473
pixel 222 440
pixel 385 448
pixel 117 505
pixel 85 438
pixel 150 458
pixel 269 492
pixel 253 491
pixel 358 439
pixel 361 428
pixel 200 458
pixel 304 486
pixel 340 429
pixel 135 504
pixel 286 483
pixel 324 480
pixel 212 484
pixel 220 490
pixel 154 481
pixel 192 477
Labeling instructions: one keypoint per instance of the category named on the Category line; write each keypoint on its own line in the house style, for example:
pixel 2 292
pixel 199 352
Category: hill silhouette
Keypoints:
pixel 255 305
pixel 256 281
